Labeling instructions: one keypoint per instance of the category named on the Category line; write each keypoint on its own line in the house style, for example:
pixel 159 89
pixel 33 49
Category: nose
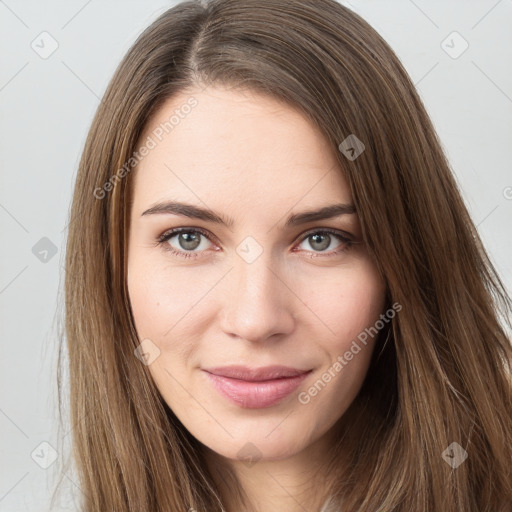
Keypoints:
pixel 256 301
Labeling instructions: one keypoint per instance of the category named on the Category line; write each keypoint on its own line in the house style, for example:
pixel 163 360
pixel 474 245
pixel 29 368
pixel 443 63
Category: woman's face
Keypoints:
pixel 251 281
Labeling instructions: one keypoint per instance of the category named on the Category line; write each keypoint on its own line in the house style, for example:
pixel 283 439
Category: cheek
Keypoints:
pixel 162 295
pixel 348 303
pixel 169 308
pixel 351 307
pixel 160 303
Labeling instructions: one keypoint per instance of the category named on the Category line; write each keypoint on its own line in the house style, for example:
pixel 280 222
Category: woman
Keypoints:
pixel 275 296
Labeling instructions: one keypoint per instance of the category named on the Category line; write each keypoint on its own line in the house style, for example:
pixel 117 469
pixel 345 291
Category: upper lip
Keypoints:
pixel 255 374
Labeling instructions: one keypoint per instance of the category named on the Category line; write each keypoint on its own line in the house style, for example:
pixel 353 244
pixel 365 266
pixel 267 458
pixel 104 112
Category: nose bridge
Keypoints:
pixel 257 304
pixel 255 280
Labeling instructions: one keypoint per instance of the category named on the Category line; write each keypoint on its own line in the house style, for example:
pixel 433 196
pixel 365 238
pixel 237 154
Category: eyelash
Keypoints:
pixel 165 237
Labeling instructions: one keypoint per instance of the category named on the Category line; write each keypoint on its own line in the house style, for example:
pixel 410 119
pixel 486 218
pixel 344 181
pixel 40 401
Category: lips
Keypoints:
pixel 256 387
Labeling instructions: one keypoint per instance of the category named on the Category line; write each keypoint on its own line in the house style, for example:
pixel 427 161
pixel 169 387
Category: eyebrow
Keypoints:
pixel 196 212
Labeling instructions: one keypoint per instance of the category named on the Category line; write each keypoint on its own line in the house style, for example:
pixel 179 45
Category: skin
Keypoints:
pixel 256 160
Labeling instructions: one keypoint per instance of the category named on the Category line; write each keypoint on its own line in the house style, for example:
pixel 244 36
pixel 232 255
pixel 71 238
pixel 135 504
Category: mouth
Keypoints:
pixel 255 388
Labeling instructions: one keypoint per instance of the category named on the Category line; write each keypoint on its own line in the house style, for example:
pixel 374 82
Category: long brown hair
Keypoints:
pixel 442 377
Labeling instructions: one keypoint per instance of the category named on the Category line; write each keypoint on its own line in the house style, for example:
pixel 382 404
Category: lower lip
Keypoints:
pixel 256 395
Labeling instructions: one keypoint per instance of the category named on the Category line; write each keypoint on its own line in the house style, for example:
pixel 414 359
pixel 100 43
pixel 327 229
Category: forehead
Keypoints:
pixel 222 146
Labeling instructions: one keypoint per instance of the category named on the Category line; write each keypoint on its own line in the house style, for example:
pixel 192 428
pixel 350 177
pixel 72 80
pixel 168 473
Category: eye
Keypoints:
pixel 322 241
pixel 191 242
pixel 184 241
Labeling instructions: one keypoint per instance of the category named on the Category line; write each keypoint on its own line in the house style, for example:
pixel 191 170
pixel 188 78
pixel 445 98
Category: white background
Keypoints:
pixel 46 106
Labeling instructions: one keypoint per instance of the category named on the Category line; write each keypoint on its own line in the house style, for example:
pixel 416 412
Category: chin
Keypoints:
pixel 261 443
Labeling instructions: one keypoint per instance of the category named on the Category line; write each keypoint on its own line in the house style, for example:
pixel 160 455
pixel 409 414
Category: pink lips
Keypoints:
pixel 258 387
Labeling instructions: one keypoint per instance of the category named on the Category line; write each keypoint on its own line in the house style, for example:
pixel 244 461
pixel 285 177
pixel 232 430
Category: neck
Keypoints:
pixel 295 484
